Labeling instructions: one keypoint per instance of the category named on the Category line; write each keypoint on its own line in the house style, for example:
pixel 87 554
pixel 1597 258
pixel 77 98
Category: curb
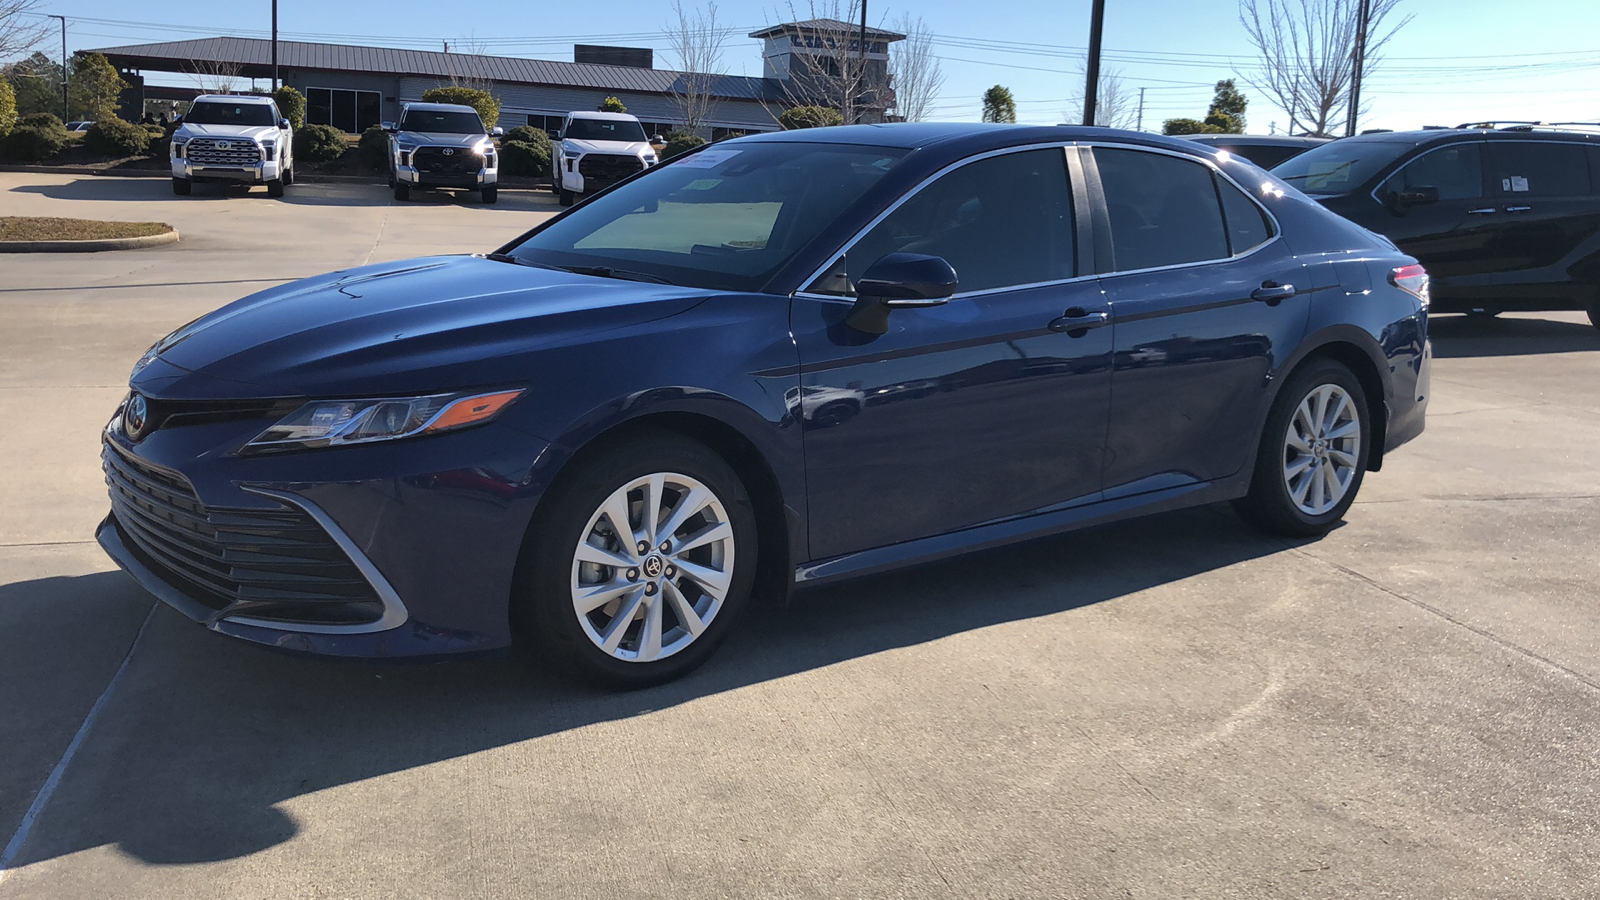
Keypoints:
pixel 129 243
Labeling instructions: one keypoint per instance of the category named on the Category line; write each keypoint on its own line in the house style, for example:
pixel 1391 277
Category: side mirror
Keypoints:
pixel 283 124
pixel 900 281
pixel 658 139
pixel 389 127
pixel 1421 195
pixel 497 131
pixel 555 133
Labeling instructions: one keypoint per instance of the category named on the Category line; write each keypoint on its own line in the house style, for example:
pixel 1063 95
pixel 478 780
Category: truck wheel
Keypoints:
pixel 402 191
pixel 1594 313
pixel 490 195
pixel 566 197
pixel 275 187
pixel 182 186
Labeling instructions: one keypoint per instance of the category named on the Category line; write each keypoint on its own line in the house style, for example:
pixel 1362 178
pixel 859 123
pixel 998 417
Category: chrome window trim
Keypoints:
pixel 917 189
pixel 394 611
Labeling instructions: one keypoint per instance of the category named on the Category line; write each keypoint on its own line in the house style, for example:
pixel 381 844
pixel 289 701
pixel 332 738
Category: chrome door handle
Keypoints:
pixel 1077 321
pixel 1518 208
pixel 1273 294
pixel 1480 212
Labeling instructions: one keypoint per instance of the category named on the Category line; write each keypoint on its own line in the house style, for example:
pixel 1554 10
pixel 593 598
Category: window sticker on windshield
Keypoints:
pixel 706 159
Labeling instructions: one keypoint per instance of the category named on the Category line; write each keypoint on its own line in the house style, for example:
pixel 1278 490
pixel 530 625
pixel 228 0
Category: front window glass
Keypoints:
pixel 1339 167
pixel 1457 171
pixel 213 113
pixel 727 217
pixel 604 130
pixel 442 121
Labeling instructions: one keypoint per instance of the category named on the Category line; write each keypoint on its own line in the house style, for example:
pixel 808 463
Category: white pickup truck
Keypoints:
pixel 233 138
pixel 598 150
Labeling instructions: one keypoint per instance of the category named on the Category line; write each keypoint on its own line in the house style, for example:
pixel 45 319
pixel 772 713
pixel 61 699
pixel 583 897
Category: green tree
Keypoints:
pixel 487 105
pixel 8 107
pixel 1189 126
pixel 1227 109
pixel 37 83
pixel 94 87
pixel 810 117
pixel 612 104
pixel 292 104
pixel 998 105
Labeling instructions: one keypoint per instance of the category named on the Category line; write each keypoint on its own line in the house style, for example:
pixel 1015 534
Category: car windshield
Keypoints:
pixel 442 121
pixel 1339 167
pixel 605 130
pixel 213 113
pixel 727 217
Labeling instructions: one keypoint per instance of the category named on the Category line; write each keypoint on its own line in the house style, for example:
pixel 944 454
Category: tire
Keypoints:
pixel 1594 313
pixel 182 186
pixel 566 197
pixel 275 187
pixel 1482 313
pixel 1309 454
pixel 490 195
pixel 402 191
pixel 657 589
pixel 391 181
pixel 288 178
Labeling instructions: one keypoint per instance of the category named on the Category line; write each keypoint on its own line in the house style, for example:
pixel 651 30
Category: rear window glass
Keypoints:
pixel 1339 167
pixel 1543 169
pixel 1163 210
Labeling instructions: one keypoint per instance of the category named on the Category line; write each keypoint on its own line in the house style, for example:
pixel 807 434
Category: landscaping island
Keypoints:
pixel 40 234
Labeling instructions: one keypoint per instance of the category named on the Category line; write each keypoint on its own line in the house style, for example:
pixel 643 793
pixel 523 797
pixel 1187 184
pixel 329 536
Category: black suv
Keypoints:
pixel 1505 219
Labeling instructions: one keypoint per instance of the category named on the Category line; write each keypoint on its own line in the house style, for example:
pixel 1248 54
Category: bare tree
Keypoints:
pixel 828 67
pixel 1116 105
pixel 696 41
pixel 914 71
pixel 465 66
pixel 214 76
pixel 20 26
pixel 1306 48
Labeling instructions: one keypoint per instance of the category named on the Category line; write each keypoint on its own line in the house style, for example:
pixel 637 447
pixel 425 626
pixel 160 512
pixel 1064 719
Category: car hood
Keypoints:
pixel 251 132
pixel 411 326
pixel 440 139
pixel 622 147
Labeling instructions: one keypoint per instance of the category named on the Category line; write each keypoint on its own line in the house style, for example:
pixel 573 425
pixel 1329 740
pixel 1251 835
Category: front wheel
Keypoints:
pixel 275 187
pixel 1313 453
pixel 182 186
pixel 402 191
pixel 565 196
pixel 490 195
pixel 637 563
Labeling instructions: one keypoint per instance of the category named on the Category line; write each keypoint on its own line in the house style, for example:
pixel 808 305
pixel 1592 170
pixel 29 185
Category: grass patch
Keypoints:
pixel 34 228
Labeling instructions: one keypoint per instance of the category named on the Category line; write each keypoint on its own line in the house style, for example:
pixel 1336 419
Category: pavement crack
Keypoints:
pixel 1481 632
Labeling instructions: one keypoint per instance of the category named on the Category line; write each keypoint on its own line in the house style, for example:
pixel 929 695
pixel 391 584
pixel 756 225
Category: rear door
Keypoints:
pixel 1549 206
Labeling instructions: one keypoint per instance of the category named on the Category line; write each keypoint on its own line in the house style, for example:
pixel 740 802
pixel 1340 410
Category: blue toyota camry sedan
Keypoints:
pixel 779 361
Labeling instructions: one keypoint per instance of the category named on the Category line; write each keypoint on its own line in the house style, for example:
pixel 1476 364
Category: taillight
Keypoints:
pixel 1411 279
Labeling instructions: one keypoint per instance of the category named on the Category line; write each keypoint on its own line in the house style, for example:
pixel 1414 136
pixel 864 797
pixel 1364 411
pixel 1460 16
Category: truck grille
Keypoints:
pixel 218 152
pixel 607 168
pixel 269 564
pixel 445 160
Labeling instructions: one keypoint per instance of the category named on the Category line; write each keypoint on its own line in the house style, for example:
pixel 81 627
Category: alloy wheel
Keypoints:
pixel 1322 448
pixel 653 567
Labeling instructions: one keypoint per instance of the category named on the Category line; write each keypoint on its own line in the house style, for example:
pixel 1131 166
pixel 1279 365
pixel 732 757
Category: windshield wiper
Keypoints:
pixel 609 272
pixel 508 258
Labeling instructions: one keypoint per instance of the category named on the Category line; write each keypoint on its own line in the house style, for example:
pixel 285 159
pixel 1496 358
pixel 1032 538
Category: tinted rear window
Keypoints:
pixel 1542 169
pixel 1339 167
pixel 1248 226
pixel 1164 210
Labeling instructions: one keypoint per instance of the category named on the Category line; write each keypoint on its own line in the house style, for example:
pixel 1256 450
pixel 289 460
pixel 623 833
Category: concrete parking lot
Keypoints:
pixel 1174 707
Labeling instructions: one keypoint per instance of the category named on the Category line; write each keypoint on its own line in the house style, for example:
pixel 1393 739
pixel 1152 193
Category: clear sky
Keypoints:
pixel 1457 60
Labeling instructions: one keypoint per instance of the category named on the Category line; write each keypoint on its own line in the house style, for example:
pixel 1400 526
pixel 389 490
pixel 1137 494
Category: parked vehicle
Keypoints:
pixel 777 361
pixel 598 150
pixel 78 126
pixel 1265 150
pixel 442 146
pixel 1503 219
pixel 235 139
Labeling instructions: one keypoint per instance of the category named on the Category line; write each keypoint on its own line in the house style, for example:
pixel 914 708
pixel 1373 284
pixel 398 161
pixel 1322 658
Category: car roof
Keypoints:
pixel 442 107
pixel 959 137
pixel 596 114
pixel 1446 135
pixel 232 98
pixel 1259 140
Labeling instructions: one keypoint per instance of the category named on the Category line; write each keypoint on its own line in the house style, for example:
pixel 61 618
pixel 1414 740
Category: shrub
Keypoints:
pixel 612 104
pixel 30 143
pixel 680 142
pixel 319 143
pixel 486 104
pixel 292 104
pixel 527 134
pixel 810 117
pixel 114 137
pixel 8 107
pixel 1188 126
pixel 525 159
pixel 47 121
pixel 374 148
pixel 157 133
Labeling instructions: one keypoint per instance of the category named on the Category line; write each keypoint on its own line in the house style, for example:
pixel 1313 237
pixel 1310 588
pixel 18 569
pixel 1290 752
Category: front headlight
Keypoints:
pixel 569 153
pixel 178 143
pixel 483 147
pixel 335 423
pixel 268 150
pixel 649 158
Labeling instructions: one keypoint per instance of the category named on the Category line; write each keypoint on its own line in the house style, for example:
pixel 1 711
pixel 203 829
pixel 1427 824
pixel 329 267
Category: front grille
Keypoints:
pixel 607 168
pixel 445 160
pixel 269 564
pixel 176 413
pixel 218 152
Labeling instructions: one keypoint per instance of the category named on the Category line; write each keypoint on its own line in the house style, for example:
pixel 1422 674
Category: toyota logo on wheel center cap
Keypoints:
pixel 653 566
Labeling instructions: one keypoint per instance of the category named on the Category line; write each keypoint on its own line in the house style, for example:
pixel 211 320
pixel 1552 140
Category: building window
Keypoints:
pixel 546 123
pixel 349 111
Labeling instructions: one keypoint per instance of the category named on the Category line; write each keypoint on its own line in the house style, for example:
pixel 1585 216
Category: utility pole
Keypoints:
pixel 1140 126
pixel 274 45
pixel 861 78
pixel 1091 90
pixel 65 111
pixel 1359 64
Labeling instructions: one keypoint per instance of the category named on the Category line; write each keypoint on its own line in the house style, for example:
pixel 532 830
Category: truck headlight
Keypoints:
pixel 569 153
pixel 178 145
pixel 335 423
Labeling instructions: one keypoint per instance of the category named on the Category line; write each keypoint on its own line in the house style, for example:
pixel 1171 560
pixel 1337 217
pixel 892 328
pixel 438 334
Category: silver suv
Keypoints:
pixel 442 145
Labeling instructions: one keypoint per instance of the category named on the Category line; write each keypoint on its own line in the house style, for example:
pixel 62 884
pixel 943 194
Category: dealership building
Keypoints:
pixel 354 87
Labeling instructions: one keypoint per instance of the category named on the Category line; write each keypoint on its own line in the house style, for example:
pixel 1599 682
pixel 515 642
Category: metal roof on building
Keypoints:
pixel 826 25
pixel 254 57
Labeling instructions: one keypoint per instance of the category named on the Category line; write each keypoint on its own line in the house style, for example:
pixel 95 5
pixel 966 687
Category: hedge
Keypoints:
pixel 810 117
pixel 374 148
pixel 114 137
pixel 681 142
pixel 319 143
pixel 292 104
pixel 30 143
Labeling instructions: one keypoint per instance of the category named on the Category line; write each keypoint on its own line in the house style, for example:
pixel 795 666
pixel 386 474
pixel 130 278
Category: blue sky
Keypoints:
pixel 1457 60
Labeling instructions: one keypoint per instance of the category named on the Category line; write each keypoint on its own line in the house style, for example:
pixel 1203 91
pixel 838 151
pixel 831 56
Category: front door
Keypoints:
pixel 1454 237
pixel 965 413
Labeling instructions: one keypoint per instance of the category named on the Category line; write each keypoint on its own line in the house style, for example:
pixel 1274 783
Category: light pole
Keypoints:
pixel 1360 64
pixel 1091 90
pixel 65 112
pixel 274 45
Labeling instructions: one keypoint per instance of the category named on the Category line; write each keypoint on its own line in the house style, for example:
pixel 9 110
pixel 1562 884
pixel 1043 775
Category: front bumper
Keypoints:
pixel 471 181
pixel 259 173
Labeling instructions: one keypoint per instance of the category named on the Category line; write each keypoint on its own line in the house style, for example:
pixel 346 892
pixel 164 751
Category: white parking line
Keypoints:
pixel 41 799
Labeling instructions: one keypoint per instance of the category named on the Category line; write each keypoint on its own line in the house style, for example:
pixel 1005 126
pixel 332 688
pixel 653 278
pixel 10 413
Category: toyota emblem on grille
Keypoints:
pixel 449 152
pixel 224 145
pixel 136 417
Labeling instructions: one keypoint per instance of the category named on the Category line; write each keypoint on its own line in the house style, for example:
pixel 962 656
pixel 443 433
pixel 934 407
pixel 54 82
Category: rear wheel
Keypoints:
pixel 288 178
pixel 182 186
pixel 1313 454
pixel 637 563
pixel 402 191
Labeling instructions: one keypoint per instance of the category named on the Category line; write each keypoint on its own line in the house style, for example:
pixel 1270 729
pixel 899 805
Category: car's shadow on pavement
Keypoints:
pixel 1461 337
pixel 205 738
